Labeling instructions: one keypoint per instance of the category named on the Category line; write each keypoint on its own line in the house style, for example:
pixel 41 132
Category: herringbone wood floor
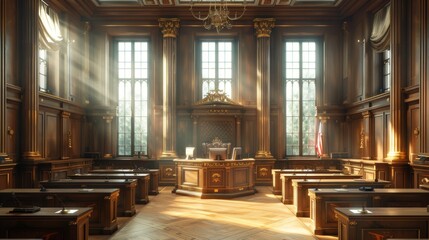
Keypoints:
pixel 169 216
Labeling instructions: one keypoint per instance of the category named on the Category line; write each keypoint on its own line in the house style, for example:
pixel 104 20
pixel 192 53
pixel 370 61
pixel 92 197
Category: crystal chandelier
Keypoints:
pixel 218 15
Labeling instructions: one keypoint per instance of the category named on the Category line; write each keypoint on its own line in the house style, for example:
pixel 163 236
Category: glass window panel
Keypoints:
pixel 132 96
pixel 300 75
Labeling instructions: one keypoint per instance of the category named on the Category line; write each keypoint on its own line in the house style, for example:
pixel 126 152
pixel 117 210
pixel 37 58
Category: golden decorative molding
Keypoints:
pixel 216 178
pixel 352 223
pixel 169 27
pixel 263 172
pixel 263 26
pixel 216 96
pixel 168 172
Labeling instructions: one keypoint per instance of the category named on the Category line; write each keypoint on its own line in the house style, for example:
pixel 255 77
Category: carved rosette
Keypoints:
pixel 263 26
pixel 169 27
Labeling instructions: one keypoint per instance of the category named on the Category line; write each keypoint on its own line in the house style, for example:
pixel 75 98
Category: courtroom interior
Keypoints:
pixel 111 110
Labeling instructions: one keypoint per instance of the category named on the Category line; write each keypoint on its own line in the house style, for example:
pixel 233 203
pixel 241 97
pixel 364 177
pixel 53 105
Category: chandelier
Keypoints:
pixel 218 15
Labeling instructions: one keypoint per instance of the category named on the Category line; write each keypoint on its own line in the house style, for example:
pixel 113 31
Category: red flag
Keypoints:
pixel 319 142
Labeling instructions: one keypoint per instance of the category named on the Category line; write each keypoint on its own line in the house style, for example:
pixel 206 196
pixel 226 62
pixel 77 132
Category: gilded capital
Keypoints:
pixel 169 26
pixel 263 26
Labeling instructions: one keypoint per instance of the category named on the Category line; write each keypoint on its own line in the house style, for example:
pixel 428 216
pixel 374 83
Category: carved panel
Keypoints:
pixel 216 178
pixel 210 128
pixel 52 140
pixel 12 131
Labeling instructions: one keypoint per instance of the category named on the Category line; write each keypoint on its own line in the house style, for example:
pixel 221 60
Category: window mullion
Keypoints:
pixel 133 83
pixel 300 101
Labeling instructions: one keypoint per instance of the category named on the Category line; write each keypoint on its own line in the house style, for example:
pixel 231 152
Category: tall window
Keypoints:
pixel 43 70
pixel 300 94
pixel 133 74
pixel 216 66
pixel 386 70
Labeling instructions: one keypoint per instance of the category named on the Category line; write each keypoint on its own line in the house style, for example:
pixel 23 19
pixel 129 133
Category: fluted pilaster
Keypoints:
pixel 424 85
pixel 3 97
pixel 398 67
pixel 29 66
pixel 169 28
pixel 263 28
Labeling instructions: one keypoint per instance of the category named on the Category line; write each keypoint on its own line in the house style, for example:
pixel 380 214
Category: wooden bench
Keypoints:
pixel 324 201
pixel 301 200
pixel 47 223
pixel 154 176
pixel 127 190
pixel 287 190
pixel 277 182
pixel 103 202
pixel 142 189
pixel 382 223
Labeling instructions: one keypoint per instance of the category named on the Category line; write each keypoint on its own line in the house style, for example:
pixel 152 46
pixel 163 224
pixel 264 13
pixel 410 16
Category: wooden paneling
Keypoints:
pixel 413 131
pixel 7 173
pixel 13 131
pixel 52 139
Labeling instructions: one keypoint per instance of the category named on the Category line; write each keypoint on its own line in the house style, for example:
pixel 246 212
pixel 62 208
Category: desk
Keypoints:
pixel 277 181
pixel 154 175
pixel 301 200
pixel 287 190
pixel 102 201
pixel 45 223
pixel 142 188
pixel 324 201
pixel 383 223
pixel 127 190
pixel 215 178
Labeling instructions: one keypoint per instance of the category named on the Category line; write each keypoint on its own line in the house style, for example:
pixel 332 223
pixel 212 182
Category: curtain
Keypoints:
pixel 49 28
pixel 380 36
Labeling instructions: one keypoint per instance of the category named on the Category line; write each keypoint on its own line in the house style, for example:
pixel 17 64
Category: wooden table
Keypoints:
pixel 142 188
pixel 154 176
pixel 103 202
pixel 206 178
pixel 277 182
pixel 301 200
pixel 127 190
pixel 287 190
pixel 325 200
pixel 45 224
pixel 382 223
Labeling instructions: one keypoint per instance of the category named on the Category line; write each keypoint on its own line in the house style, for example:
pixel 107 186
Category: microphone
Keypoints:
pixel 363 210
pixel 63 210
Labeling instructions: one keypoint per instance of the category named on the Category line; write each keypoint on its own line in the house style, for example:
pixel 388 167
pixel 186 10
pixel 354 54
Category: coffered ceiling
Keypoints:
pixel 150 10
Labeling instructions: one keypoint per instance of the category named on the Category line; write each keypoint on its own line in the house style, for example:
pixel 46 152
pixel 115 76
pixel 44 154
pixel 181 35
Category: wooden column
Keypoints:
pixel 263 28
pixel 398 66
pixel 424 85
pixel 169 28
pixel 29 66
pixel 366 133
pixel 3 97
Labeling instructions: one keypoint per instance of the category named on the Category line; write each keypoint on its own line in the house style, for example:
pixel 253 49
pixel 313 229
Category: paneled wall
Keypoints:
pixel 79 117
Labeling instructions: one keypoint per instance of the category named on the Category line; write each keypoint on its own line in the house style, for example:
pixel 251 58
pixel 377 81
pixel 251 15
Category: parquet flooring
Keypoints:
pixel 169 217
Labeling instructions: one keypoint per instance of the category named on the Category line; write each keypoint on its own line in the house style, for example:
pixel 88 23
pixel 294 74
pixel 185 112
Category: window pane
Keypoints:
pixel 300 77
pixel 132 97
pixel 216 67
